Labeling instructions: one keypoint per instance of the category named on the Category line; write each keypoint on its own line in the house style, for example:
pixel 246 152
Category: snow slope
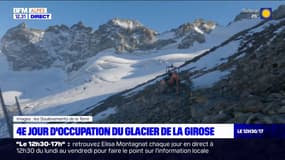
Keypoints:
pixel 103 76
pixel 51 92
pixel 207 80
pixel 216 57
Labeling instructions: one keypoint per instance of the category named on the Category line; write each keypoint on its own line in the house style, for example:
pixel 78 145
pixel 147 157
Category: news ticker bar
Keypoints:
pixel 147 131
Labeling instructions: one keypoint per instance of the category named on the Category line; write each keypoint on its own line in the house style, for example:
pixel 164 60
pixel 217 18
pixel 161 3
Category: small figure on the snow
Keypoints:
pixel 171 81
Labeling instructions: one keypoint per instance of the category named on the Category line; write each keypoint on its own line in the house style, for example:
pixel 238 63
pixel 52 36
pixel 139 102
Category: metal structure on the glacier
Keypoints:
pixel 7 116
pixel 18 106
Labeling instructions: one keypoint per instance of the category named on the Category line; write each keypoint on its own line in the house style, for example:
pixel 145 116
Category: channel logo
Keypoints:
pixel 31 14
pixel 265 13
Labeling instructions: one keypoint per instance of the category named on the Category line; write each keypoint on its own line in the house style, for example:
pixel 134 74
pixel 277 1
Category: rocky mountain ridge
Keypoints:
pixel 70 47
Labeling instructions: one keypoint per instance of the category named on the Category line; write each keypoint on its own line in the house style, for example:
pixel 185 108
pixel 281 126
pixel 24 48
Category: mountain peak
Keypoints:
pixel 279 12
pixel 125 23
pixel 22 25
pixel 247 14
pixel 78 25
pixel 199 25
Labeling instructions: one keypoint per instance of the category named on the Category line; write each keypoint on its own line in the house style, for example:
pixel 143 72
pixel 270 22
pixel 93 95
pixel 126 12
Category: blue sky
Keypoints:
pixel 158 15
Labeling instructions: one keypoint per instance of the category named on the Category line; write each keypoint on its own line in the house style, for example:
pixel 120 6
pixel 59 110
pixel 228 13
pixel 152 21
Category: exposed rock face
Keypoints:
pixel 193 32
pixel 123 35
pixel 279 12
pixel 56 46
pixel 70 47
pixel 189 40
pixel 199 25
pixel 21 48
